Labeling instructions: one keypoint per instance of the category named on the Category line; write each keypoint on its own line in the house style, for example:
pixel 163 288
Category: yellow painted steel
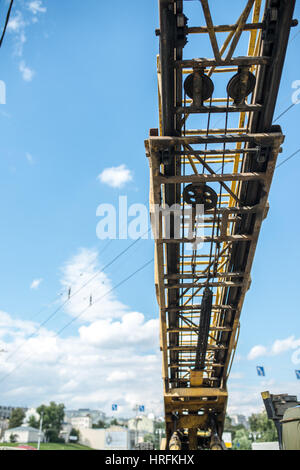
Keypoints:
pixel 198 390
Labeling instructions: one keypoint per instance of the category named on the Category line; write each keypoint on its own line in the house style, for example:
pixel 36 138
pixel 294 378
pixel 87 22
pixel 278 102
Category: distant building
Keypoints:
pixel 81 422
pixel 95 415
pixel 114 438
pixel 265 446
pixel 66 431
pixel 6 411
pixel 4 423
pixel 23 434
pixel 239 420
pixel 141 425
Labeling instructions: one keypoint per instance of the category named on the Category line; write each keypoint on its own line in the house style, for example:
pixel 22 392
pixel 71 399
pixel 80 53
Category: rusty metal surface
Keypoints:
pixel 238 163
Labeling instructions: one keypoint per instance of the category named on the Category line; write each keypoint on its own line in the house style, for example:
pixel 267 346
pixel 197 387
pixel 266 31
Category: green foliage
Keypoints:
pixel 241 440
pixel 50 446
pixel 16 419
pixel 263 427
pixel 100 425
pixel 114 422
pixel 229 427
pixel 53 416
pixel 149 438
pixel 33 422
pixel 13 438
pixel 74 433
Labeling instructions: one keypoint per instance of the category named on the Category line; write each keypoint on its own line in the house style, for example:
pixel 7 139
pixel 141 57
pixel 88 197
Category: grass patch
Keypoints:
pixel 51 446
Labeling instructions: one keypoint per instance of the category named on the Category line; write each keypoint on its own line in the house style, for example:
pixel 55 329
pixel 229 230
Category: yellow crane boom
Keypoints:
pixel 208 198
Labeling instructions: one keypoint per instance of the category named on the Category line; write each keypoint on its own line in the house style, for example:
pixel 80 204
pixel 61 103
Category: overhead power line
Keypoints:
pixel 82 313
pixel 6 22
pixel 288 158
pixel 52 315
pixel 285 111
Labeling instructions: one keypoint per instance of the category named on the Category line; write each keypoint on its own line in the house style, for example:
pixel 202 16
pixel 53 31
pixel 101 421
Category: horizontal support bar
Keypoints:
pixel 212 178
pixel 201 276
pixel 224 28
pixel 186 328
pixel 215 131
pixel 192 364
pixel 196 392
pixel 210 347
pixel 243 61
pixel 227 238
pixel 199 285
pixel 197 307
pixel 265 139
pixel 241 108
pixel 217 152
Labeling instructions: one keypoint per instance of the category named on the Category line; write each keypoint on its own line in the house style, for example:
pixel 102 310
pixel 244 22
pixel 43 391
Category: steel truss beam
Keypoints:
pixel 240 171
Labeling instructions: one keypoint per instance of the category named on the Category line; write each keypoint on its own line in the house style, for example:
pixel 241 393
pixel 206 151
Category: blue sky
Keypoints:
pixel 81 95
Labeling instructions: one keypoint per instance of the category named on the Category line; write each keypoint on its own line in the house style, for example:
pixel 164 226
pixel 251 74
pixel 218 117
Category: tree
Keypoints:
pixel 33 422
pixel 13 438
pixel 263 427
pixel 100 425
pixel 53 416
pixel 17 417
pixel 114 422
pixel 150 438
pixel 74 433
pixel 229 427
pixel 241 440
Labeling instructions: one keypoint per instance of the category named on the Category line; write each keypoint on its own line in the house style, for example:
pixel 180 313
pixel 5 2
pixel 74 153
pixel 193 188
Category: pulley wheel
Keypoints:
pixel 200 194
pixel 207 86
pixel 234 87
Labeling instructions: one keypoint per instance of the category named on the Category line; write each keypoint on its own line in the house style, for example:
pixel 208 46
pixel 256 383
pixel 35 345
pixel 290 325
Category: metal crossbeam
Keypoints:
pixel 231 169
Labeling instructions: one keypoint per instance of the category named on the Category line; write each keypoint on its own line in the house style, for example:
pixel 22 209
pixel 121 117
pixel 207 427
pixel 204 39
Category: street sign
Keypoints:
pixel 114 407
pixel 260 371
pixel 297 374
pixel 141 408
pixel 227 439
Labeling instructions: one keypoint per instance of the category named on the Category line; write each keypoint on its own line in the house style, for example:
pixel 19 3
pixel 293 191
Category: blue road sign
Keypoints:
pixel 141 408
pixel 114 407
pixel 260 371
pixel 297 374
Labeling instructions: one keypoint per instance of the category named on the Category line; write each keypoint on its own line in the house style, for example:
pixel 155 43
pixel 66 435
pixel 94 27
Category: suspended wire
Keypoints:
pixel 285 111
pixel 288 158
pixel 6 22
pixel 70 296
pixel 80 314
pixel 69 290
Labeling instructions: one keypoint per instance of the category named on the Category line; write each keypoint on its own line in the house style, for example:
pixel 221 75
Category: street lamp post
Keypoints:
pixel 40 431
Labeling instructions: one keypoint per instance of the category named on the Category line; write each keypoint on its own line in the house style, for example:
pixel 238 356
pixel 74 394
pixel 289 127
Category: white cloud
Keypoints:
pixel 282 345
pixel 116 177
pixel 85 369
pixel 36 283
pixel 131 330
pixel 296 357
pixel 236 375
pixel 257 351
pixel 29 158
pixel 246 399
pixel 16 23
pixel 82 276
pixel 27 72
pixel 18 26
pixel 36 6
pixel 279 346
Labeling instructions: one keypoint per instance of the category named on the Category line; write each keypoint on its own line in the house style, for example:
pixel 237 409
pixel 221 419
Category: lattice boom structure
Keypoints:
pixel 201 280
